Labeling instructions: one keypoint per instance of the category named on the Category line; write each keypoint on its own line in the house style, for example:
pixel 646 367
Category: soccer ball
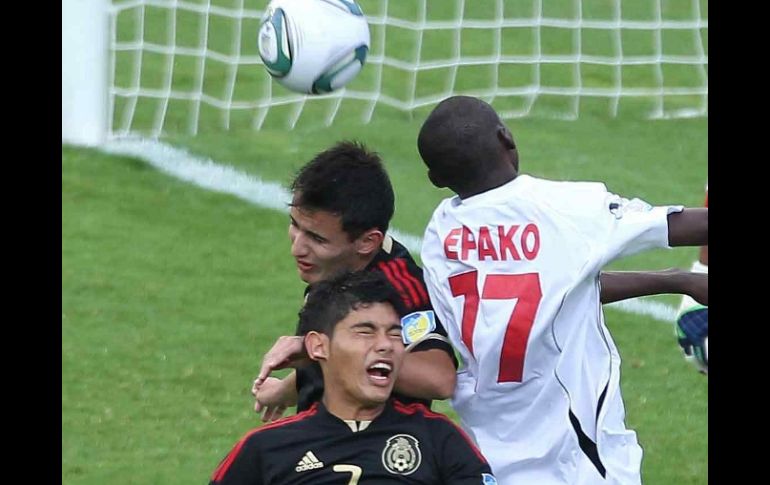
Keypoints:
pixel 313 46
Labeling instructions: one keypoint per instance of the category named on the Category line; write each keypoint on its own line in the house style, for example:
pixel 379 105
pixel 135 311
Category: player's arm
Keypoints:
pixel 703 257
pixel 287 351
pixel 273 396
pixel 689 227
pixel 427 374
pixel 430 369
pixel 620 285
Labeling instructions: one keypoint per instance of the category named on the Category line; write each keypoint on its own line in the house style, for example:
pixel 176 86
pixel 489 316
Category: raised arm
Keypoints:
pixel 287 351
pixel 689 227
pixel 621 285
pixel 427 374
pixel 272 396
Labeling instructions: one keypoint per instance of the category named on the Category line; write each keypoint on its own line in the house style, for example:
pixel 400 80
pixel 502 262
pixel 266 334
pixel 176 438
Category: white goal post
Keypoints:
pixel 157 67
pixel 84 80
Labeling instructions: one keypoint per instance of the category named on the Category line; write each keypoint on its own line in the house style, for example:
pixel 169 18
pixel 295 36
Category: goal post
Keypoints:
pixel 84 81
pixel 185 66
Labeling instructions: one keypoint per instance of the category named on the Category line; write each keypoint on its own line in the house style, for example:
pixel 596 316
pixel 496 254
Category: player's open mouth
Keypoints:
pixel 379 372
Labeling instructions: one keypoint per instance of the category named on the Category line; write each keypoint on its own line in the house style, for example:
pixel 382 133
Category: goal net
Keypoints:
pixel 181 66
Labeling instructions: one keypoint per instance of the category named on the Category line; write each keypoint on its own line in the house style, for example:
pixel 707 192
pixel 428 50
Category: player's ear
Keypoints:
pixel 369 242
pixel 509 146
pixel 505 136
pixel 317 345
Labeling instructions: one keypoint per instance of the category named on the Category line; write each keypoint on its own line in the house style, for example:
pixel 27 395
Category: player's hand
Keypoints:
pixel 271 399
pixel 287 351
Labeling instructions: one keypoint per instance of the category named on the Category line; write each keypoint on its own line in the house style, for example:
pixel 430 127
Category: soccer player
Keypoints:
pixel 692 323
pixel 342 204
pixel 356 433
pixel 512 264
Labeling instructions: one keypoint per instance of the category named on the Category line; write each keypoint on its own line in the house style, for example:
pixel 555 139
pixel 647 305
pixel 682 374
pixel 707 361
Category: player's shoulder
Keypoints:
pixel 395 259
pixel 569 198
pixel 439 430
pixel 392 249
pixel 562 186
pixel 285 426
pixel 419 412
pixel 442 209
pixel 404 275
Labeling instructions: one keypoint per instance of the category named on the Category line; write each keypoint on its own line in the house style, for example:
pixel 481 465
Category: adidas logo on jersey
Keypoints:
pixel 308 462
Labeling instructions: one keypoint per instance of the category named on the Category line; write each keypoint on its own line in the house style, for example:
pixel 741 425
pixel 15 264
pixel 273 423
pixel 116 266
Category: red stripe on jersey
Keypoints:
pixel 417 283
pixel 415 407
pixel 408 408
pixel 395 282
pixel 219 473
pixel 395 267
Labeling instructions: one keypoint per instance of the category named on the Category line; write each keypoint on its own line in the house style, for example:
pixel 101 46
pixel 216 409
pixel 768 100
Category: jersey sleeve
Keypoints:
pixel 437 338
pixel 619 227
pixel 407 278
pixel 242 465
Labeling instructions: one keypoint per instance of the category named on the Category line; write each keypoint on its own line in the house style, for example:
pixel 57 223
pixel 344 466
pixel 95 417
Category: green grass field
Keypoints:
pixel 171 293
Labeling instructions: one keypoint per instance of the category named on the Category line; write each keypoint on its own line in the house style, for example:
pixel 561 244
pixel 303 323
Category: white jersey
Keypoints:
pixel 513 274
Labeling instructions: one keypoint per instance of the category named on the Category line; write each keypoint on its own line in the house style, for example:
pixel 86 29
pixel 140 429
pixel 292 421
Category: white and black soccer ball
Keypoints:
pixel 313 46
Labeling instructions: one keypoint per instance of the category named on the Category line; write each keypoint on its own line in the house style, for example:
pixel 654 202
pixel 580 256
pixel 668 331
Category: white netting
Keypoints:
pixel 184 66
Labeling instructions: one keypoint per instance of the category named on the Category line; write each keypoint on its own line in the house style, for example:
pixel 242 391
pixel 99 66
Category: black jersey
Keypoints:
pixel 404 444
pixel 400 269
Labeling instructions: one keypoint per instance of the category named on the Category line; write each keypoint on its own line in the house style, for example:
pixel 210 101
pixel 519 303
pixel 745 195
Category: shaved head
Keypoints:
pixel 466 146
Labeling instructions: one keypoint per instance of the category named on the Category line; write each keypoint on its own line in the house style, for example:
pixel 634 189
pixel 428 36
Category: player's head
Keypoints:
pixel 342 203
pixel 467 147
pixel 354 332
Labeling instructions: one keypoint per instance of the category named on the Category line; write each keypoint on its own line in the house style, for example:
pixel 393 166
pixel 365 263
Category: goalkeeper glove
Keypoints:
pixel 692 328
